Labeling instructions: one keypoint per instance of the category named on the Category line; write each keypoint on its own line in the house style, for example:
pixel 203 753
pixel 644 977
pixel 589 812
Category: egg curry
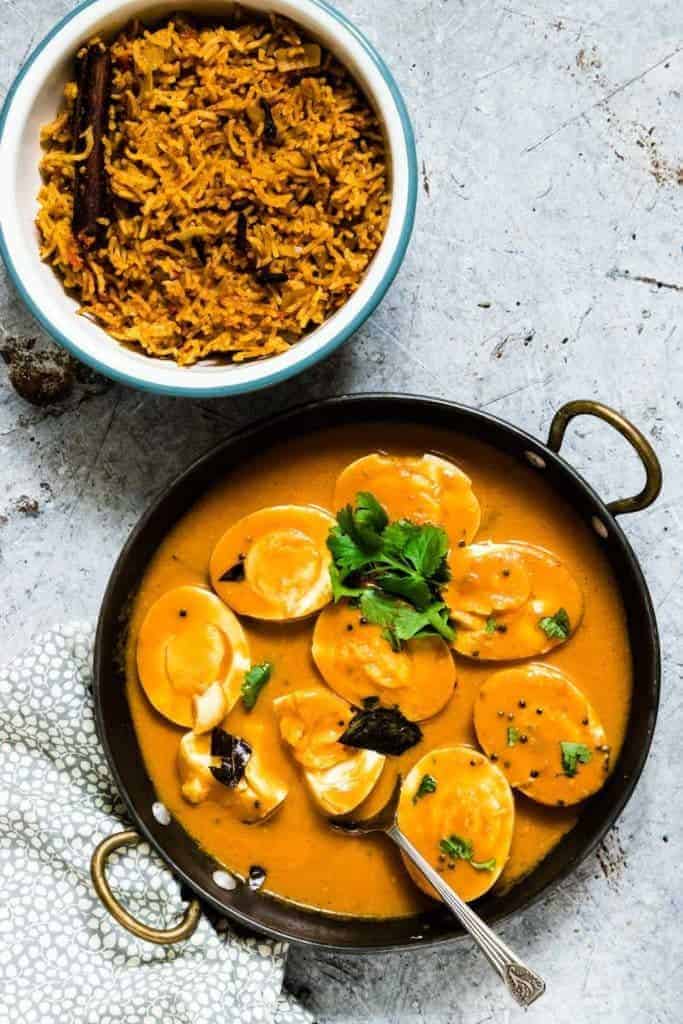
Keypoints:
pixel 375 601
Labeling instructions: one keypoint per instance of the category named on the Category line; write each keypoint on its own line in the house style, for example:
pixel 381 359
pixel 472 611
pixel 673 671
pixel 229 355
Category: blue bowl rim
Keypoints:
pixel 336 340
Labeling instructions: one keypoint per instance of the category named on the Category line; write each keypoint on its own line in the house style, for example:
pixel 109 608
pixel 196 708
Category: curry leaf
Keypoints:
pixel 234 574
pixel 384 730
pixel 234 754
pixel 370 702
pixel 513 735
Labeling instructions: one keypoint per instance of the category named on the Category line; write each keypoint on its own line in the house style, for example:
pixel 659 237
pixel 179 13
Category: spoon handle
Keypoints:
pixel 524 985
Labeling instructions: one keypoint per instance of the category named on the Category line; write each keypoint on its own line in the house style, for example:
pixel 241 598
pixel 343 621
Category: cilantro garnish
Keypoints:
pixel 396 570
pixel 574 754
pixel 427 786
pixel 491 624
pixel 513 735
pixel 458 848
pixel 556 626
pixel 484 865
pixel 254 681
pixel 400 621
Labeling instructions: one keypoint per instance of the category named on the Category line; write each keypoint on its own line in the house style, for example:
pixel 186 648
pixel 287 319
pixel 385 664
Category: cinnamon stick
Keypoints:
pixel 91 110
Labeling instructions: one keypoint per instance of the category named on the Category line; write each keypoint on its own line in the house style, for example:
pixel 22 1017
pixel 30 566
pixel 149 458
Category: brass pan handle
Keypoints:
pixel 163 937
pixel 643 448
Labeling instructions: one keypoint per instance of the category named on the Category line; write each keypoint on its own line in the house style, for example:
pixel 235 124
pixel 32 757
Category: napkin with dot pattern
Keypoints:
pixel 62 957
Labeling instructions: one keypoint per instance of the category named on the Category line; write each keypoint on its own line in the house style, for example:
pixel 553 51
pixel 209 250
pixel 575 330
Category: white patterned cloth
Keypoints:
pixel 62 957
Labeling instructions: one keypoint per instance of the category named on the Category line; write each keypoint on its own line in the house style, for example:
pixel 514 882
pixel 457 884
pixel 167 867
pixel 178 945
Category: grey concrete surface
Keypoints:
pixel 546 265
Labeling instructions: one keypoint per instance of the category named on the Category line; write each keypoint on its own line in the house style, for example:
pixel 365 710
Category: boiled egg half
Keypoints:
pixel 339 778
pixel 423 489
pixel 257 795
pixel 510 601
pixel 457 808
pixel 356 660
pixel 274 564
pixel 543 733
pixel 189 641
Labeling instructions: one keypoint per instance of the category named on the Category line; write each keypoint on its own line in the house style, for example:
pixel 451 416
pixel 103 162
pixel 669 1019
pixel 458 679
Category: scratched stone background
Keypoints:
pixel 546 265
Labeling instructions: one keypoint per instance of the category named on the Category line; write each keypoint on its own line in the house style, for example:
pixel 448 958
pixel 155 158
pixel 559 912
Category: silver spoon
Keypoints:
pixel 524 985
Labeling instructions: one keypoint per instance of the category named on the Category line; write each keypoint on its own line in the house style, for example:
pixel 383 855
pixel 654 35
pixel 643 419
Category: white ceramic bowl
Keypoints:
pixel 33 101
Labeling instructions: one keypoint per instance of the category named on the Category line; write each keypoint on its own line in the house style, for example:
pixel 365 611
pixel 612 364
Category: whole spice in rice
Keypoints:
pixel 159 152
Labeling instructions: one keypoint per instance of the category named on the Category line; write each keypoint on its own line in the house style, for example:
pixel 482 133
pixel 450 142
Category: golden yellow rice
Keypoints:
pixel 185 155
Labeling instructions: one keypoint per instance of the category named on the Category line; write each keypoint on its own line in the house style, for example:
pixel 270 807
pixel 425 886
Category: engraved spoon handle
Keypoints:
pixel 524 985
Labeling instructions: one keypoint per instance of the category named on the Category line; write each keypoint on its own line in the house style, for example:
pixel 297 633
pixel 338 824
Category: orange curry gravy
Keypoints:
pixel 306 861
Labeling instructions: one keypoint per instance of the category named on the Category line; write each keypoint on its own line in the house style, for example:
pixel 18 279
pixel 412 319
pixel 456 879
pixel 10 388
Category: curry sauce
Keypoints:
pixel 305 860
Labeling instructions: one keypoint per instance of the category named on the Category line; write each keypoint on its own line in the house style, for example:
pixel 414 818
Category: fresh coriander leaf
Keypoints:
pixel 556 626
pixel 397 536
pixel 254 681
pixel 384 730
pixel 491 624
pixel 426 549
pixel 422 548
pixel 427 785
pixel 574 754
pixel 461 849
pixel 439 619
pixel 395 616
pixel 364 524
pixel 402 559
pixel 347 555
pixel 400 620
pixel 340 589
pixel 394 642
pixel 413 588
pixel 456 847
pixel 345 519
pixel 513 735
pixel 369 520
pixel 441 574
pixel 484 865
pixel 379 608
